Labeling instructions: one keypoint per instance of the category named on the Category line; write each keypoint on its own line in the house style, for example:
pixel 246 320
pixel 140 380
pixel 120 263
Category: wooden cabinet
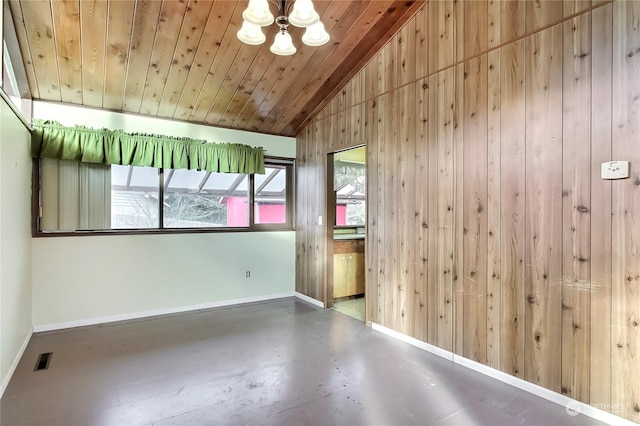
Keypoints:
pixel 348 268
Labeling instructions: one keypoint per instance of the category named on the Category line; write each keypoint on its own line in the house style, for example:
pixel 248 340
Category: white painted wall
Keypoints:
pixel 80 280
pixel 77 280
pixel 15 241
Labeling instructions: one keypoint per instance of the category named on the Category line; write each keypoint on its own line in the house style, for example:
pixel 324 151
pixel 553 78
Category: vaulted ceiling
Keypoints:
pixel 181 59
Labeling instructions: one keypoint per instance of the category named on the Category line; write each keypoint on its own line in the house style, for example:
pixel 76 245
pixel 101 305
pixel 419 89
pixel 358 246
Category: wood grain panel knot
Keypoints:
pixel 538 338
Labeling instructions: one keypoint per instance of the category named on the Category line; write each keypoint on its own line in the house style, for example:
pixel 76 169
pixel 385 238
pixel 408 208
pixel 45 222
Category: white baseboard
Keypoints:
pixel 158 312
pixel 309 299
pixel 413 341
pixel 14 364
pixel 568 403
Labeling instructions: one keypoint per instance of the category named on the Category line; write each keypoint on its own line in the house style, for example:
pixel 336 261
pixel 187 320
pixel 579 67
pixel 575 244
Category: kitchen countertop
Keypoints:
pixel 348 236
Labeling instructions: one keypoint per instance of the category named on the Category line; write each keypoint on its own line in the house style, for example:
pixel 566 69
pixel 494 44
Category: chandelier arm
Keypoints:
pixel 282 6
pixel 287 5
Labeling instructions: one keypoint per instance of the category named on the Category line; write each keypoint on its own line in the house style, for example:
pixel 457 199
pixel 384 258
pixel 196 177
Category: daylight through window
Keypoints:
pixel 81 197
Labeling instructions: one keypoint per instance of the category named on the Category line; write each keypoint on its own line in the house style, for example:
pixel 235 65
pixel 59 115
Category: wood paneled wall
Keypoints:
pixel 490 233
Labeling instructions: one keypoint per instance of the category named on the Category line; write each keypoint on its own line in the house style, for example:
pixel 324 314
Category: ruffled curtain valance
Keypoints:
pixel 53 140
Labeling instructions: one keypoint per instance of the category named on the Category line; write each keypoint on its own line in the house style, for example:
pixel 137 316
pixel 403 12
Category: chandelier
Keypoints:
pixel 302 15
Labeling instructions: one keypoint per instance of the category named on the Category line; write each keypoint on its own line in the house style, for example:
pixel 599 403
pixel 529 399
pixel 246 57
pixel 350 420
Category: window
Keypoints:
pixel 350 206
pixel 350 186
pixel 80 197
pixel 270 196
pixel 14 78
pixel 134 197
pixel 203 199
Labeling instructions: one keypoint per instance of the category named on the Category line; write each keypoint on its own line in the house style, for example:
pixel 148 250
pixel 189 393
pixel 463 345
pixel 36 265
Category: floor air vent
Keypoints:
pixel 43 361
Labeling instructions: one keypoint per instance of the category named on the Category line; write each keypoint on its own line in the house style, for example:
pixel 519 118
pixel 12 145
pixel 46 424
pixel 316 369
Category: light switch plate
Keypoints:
pixel 615 170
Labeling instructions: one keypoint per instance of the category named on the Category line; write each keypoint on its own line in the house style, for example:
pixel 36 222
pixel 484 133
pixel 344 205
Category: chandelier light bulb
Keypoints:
pixel 283 44
pixel 303 14
pixel 315 35
pixel 258 13
pixel 251 34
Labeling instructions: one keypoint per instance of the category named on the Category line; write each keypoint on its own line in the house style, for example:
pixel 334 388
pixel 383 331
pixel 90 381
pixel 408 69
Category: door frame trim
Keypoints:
pixel 330 221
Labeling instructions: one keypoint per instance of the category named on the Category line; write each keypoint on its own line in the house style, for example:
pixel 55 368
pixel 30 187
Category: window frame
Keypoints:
pixel 10 50
pixel 288 163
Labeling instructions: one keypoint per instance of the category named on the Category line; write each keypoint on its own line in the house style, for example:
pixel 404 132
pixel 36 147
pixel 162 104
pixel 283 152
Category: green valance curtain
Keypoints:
pixel 53 140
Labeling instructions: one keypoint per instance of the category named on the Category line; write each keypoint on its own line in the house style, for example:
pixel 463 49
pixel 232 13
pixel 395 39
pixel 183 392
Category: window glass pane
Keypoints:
pixel 14 79
pixel 270 200
pixel 9 83
pixel 194 199
pixel 350 212
pixel 144 178
pixel 224 181
pixel 183 180
pixel 351 191
pixel 134 197
pixel 119 175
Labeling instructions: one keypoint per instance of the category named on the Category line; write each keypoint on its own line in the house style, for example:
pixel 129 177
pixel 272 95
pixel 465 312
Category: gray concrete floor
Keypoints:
pixel 276 363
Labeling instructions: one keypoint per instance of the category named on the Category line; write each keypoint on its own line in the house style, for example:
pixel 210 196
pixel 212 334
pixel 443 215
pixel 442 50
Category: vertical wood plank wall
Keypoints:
pixel 490 233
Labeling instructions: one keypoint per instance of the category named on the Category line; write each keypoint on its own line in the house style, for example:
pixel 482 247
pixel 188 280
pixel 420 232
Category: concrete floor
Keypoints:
pixel 276 363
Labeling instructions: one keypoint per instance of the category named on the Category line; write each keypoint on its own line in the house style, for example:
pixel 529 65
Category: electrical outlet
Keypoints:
pixel 614 170
pixel 248 274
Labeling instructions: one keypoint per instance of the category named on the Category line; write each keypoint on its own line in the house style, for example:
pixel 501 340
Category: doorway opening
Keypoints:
pixel 347 202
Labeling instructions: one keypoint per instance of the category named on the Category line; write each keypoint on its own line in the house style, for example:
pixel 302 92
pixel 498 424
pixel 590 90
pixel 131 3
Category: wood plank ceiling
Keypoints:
pixel 181 59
